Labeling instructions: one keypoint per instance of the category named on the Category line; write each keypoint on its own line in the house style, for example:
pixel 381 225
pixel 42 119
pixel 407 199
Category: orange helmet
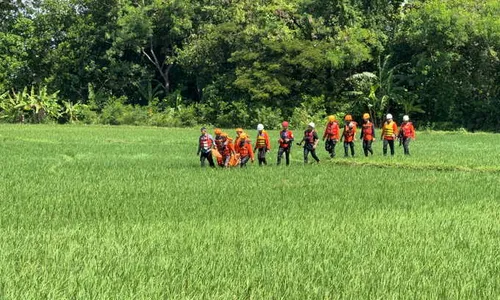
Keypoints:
pixel 366 116
pixel 243 136
pixel 218 131
pixel 332 118
pixel 348 118
pixel 239 130
pixel 224 135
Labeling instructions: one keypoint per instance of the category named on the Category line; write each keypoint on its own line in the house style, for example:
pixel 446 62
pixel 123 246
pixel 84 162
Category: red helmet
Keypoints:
pixel 284 124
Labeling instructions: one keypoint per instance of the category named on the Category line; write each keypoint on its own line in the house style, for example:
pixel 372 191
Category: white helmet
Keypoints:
pixel 260 127
pixel 388 117
pixel 312 125
pixel 406 118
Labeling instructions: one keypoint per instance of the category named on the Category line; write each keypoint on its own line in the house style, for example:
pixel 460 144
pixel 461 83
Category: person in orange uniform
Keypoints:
pixel 262 145
pixel 310 141
pixel 239 131
pixel 205 145
pixel 348 135
pixel 244 149
pixel 389 130
pixel 406 134
pixel 285 141
pixel 229 150
pixel 222 143
pixel 331 135
pixel 367 134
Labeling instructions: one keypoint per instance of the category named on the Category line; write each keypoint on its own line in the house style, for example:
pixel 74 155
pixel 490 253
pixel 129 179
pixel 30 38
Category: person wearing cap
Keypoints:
pixel 348 135
pixel 244 149
pixel 331 135
pixel 406 134
pixel 239 131
pixel 310 141
pixel 389 130
pixel 205 145
pixel 262 145
pixel 367 134
pixel 285 142
pixel 224 146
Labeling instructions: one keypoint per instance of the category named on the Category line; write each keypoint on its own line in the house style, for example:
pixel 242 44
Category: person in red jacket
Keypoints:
pixel 205 144
pixel 244 149
pixel 367 134
pixel 331 135
pixel 262 144
pixel 349 135
pixel 285 142
pixel 406 134
pixel 389 130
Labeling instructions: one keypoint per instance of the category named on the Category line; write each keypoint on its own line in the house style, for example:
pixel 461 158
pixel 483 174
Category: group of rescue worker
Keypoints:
pixel 229 152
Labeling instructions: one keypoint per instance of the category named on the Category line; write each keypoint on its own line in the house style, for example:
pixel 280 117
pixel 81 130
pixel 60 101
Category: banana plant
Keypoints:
pixel 73 111
pixel 43 104
pixel 14 105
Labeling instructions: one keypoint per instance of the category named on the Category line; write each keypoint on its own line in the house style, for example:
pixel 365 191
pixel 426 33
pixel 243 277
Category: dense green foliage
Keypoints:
pixel 127 213
pixel 232 62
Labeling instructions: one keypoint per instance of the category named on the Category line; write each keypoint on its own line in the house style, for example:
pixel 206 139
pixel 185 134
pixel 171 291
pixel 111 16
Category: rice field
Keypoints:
pixel 127 213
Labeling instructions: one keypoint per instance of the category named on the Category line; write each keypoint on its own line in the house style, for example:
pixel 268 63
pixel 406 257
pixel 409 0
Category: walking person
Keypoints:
pixel 389 130
pixel 285 142
pixel 332 132
pixel 262 145
pixel 310 141
pixel 239 131
pixel 224 147
pixel 367 134
pixel 244 149
pixel 349 135
pixel 205 145
pixel 406 134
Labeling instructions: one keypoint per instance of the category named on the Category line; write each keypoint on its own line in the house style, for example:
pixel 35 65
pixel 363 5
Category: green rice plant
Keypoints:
pixel 125 212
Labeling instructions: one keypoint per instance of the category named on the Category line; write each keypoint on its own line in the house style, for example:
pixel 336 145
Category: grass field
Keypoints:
pixel 126 213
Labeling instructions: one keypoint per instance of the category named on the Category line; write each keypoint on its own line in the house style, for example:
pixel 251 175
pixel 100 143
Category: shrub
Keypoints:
pixel 113 111
pixel 270 117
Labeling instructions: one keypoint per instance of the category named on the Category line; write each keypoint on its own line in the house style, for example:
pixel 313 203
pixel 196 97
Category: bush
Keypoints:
pixel 134 115
pixel 88 116
pixel 166 118
pixel 271 118
pixel 302 116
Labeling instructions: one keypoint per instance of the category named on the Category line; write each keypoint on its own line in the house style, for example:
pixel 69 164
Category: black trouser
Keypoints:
pixel 261 156
pixel 330 147
pixel 346 148
pixel 367 147
pixel 287 155
pixel 406 145
pixel 391 145
pixel 244 161
pixel 207 156
pixel 308 150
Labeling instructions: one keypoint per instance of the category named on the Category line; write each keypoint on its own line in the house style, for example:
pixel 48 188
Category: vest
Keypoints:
pixel 309 137
pixel 332 128
pixel 349 133
pixel 261 140
pixel 368 131
pixel 284 134
pixel 243 149
pixel 388 129
pixel 205 142
pixel 407 129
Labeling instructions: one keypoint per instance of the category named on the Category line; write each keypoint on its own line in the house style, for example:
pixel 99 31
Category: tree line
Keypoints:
pixel 242 62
